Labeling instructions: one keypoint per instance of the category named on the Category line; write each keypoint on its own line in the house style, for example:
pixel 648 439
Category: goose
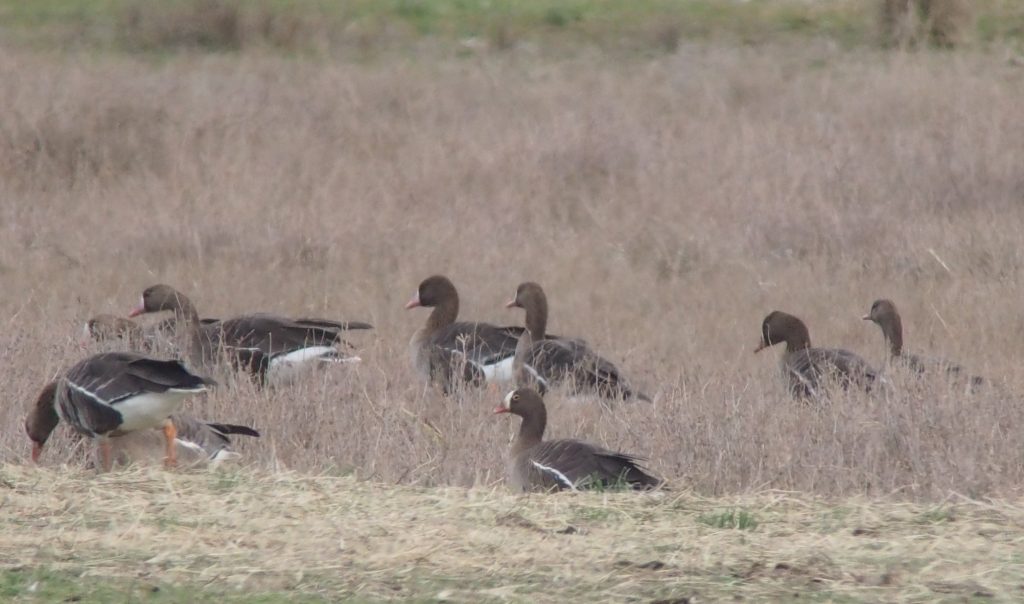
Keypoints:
pixel 286 343
pixel 806 368
pixel 106 327
pixel 544 465
pixel 884 314
pixel 197 442
pixel 111 394
pixel 449 351
pixel 541 361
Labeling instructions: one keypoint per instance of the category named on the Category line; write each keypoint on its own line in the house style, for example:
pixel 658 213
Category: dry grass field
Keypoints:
pixel 666 203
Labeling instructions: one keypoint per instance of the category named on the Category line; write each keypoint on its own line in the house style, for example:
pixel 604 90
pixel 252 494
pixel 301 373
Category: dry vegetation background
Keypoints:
pixel 666 204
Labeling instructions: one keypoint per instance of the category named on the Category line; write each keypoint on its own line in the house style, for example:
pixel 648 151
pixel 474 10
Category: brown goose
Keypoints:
pixel 111 327
pixel 884 314
pixel 807 368
pixel 540 465
pixel 448 351
pixel 286 343
pixel 542 361
pixel 114 393
pixel 197 442
pixel 104 327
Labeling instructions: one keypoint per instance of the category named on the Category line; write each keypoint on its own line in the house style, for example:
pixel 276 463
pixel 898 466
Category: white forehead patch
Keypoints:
pixel 508 400
pixel 87 332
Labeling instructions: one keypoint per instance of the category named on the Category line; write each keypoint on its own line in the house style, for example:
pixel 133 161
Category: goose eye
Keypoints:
pixel 515 397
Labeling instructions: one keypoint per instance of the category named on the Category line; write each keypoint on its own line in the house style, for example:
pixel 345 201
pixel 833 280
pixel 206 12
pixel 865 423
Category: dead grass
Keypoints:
pixel 223 534
pixel 666 207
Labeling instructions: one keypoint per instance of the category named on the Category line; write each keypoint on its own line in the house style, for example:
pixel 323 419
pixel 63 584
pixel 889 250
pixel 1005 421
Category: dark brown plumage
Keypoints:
pixel 542 360
pixel 283 342
pixel 107 327
pixel 111 394
pixel 884 314
pixel 448 351
pixel 807 368
pixel 194 438
pixel 540 465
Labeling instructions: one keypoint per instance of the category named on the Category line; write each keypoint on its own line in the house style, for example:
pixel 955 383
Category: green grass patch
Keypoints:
pixel 52 585
pixel 374 25
pixel 740 520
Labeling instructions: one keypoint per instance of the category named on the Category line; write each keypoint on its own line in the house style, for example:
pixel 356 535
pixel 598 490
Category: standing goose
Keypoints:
pixel 541 360
pixel 446 350
pixel 195 440
pixel 114 393
pixel 807 368
pixel 285 343
pixel 884 314
pixel 540 465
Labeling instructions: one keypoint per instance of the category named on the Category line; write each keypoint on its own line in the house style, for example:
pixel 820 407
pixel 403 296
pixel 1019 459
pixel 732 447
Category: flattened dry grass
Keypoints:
pixel 339 537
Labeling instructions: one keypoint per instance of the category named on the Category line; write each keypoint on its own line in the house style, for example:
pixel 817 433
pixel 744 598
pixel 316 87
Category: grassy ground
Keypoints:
pixel 368 26
pixel 153 536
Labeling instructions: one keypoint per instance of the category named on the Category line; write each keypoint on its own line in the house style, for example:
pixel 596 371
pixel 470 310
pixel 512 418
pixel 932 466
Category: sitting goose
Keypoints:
pixel 114 393
pixel 541 361
pixel 105 327
pixel 884 314
pixel 806 367
pixel 197 442
pixel 448 351
pixel 540 465
pixel 286 343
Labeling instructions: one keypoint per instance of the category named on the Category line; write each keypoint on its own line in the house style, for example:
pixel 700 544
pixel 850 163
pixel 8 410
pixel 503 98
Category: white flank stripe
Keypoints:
pixel 189 445
pixel 351 359
pixel 562 478
pixel 88 393
pixel 223 455
pixel 540 379
pixel 302 355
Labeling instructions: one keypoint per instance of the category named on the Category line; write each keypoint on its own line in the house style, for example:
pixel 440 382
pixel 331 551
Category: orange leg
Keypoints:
pixel 106 454
pixel 170 434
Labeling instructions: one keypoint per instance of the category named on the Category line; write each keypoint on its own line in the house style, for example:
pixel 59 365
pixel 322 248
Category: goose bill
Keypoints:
pixel 138 310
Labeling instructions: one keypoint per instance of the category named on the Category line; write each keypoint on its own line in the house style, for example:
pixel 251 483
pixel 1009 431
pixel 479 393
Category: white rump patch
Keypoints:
pixel 561 478
pixel 500 371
